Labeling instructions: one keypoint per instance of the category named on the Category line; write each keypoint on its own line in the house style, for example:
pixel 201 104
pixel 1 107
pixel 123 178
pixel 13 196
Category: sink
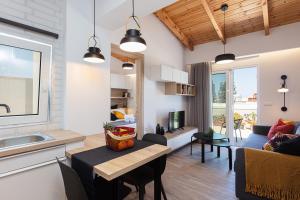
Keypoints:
pixel 23 140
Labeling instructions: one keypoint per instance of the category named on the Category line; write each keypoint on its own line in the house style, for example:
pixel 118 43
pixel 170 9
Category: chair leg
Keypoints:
pixel 235 136
pixel 137 188
pixel 163 192
pixel 141 192
pixel 230 157
pixel 240 134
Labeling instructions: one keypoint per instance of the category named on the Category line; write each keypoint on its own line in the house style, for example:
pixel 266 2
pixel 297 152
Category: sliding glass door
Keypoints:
pixel 219 102
pixel 234 102
pixel 244 101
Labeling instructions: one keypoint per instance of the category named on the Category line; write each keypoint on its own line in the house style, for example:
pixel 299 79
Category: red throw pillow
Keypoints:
pixel 281 127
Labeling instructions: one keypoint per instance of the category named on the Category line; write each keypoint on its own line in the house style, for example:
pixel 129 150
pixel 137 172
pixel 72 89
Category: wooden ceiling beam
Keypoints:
pixel 122 58
pixel 164 18
pixel 265 11
pixel 212 18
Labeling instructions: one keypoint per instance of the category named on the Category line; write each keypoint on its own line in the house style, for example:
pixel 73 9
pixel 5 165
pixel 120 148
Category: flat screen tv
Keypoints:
pixel 176 120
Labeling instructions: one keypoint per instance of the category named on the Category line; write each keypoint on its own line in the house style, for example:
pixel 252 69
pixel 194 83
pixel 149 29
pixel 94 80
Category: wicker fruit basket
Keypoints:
pixel 120 138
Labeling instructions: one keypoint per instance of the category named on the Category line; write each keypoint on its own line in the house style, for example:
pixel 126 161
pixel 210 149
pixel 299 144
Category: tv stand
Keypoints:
pixel 180 137
pixel 173 131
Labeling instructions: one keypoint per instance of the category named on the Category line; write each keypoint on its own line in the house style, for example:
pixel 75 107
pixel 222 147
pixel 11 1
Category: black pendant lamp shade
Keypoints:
pixel 133 42
pixel 225 57
pixel 94 54
pixel 127 66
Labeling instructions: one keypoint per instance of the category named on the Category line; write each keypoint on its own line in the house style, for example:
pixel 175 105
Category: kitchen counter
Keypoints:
pixel 61 137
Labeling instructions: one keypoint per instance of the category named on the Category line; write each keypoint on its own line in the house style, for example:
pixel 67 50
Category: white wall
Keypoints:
pixel 48 15
pixel 282 37
pixel 162 48
pixel 87 98
pixel 272 66
pixel 277 55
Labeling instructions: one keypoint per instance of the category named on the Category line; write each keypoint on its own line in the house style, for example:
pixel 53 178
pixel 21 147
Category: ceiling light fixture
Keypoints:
pixel 133 42
pixel 225 57
pixel 94 53
pixel 127 66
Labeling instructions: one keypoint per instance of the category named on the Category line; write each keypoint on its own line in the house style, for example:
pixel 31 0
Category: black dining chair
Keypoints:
pixel 145 174
pixel 73 186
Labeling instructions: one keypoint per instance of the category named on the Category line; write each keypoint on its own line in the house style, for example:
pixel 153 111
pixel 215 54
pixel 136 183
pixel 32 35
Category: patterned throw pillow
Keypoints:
pixel 281 127
pixel 275 141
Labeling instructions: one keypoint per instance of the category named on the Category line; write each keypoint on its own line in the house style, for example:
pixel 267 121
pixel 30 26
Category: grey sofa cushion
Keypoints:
pixel 255 141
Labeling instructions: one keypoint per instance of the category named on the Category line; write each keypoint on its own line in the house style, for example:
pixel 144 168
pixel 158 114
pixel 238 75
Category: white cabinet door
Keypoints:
pixel 42 183
pixel 119 81
pixel 176 76
pixel 166 73
pixel 184 77
pixel 128 83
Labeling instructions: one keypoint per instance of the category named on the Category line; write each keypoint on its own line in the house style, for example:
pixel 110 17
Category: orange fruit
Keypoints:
pixel 130 143
pixel 122 145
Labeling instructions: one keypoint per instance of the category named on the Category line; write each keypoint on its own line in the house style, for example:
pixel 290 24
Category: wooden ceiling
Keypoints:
pixel 196 22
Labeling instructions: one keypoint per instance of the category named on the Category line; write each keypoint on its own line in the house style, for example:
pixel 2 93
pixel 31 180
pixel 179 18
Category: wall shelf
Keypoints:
pixel 172 88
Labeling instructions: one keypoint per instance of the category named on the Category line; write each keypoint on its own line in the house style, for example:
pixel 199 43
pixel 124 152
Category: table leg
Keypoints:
pixel 202 152
pixel 157 180
pixel 116 189
pixel 230 158
pixel 191 145
pixel 211 148
pixel 218 152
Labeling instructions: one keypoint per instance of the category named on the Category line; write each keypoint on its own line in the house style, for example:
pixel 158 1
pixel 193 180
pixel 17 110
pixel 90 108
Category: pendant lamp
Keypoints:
pixel 94 53
pixel 225 57
pixel 133 42
pixel 127 66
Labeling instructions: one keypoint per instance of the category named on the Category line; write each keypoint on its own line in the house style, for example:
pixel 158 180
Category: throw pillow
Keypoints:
pixel 280 126
pixel 288 122
pixel 291 147
pixel 119 115
pixel 297 128
pixel 277 140
pixel 113 117
pixel 298 131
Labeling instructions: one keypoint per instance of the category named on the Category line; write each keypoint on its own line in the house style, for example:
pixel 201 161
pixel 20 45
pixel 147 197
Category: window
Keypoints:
pixel 24 80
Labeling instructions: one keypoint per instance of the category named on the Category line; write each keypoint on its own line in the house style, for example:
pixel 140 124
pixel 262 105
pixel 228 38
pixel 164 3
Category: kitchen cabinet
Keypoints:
pixel 184 78
pixel 34 175
pixel 118 81
pixel 176 75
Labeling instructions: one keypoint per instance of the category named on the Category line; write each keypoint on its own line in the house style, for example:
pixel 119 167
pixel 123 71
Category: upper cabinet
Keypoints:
pixel 120 82
pixel 184 77
pixel 164 73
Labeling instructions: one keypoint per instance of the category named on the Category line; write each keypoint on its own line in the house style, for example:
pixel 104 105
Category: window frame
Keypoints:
pixel 43 113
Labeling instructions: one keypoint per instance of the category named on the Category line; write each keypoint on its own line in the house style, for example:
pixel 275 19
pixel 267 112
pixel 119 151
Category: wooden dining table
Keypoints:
pixel 113 169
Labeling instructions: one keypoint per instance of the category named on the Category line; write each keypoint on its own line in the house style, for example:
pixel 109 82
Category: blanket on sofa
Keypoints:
pixel 272 175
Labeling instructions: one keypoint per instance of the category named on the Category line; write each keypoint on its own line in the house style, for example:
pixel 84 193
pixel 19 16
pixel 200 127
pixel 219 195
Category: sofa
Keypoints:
pixel 255 140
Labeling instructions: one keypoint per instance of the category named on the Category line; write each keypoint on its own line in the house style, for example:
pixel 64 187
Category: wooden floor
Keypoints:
pixel 186 178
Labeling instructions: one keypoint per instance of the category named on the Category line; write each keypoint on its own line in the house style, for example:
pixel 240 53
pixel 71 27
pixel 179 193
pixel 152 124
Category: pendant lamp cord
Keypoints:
pixel 133 16
pixel 94 36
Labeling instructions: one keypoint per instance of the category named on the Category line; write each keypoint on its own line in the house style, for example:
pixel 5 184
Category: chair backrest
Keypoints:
pixel 73 186
pixel 158 139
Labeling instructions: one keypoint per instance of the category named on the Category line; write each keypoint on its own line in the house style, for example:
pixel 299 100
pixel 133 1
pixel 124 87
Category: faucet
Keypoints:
pixel 6 107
